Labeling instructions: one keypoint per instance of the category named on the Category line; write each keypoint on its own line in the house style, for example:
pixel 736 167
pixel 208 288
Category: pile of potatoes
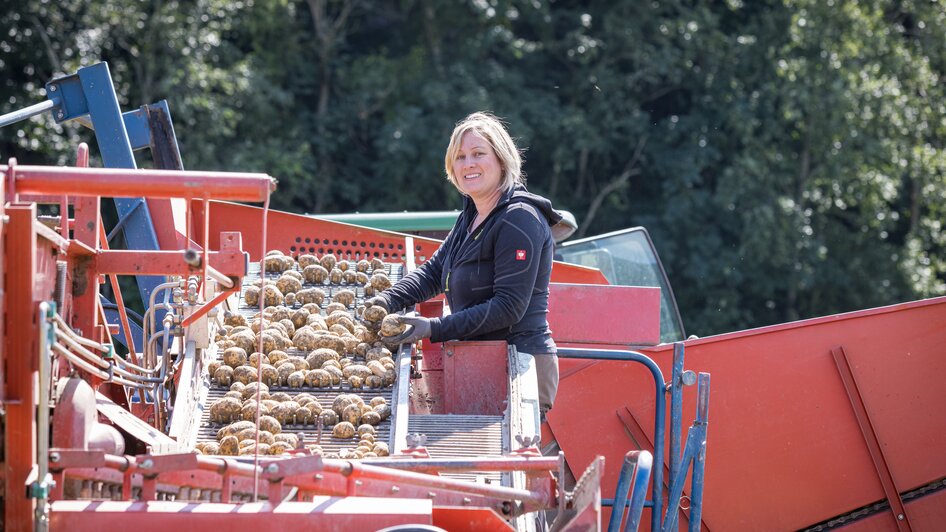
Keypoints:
pixel 293 274
pixel 348 417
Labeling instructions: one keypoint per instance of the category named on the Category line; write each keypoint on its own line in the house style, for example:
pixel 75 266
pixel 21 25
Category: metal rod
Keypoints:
pixel 46 334
pixel 639 491
pixel 26 112
pixel 91 357
pixel 628 471
pixel 660 408
pixel 93 370
pixel 117 182
pixel 699 464
pixel 120 303
pixel 426 465
pixel 676 408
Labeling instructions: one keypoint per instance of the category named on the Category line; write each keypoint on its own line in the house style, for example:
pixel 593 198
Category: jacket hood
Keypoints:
pixel 518 193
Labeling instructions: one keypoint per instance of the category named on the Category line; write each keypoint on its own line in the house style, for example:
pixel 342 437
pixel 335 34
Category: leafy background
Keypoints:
pixel 786 155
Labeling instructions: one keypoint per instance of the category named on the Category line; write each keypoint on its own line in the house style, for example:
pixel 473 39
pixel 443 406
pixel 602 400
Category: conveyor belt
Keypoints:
pixel 462 436
pixel 208 430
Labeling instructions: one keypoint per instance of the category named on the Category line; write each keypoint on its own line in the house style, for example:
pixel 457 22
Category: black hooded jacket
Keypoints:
pixel 496 280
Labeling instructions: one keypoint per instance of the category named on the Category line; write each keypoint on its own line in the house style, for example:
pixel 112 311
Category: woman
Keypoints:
pixel 495 264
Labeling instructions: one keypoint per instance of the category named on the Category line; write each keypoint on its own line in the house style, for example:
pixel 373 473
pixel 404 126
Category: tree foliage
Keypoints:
pixel 786 155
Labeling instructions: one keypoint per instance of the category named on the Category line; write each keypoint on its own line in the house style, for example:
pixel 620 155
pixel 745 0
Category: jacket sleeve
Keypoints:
pixel 518 246
pixel 421 284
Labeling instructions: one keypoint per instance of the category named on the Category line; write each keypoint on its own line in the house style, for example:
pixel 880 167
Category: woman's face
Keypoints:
pixel 476 167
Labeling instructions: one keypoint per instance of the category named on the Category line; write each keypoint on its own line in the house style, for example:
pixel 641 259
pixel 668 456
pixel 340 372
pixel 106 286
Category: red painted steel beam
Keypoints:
pixel 137 262
pixel 115 182
pixel 20 353
pixel 322 513
pixel 884 474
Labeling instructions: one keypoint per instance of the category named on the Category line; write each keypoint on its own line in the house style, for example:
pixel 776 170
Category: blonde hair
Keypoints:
pixel 492 130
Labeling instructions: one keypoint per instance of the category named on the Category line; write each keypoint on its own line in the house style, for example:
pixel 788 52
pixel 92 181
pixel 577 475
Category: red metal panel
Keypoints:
pixel 124 183
pixel 21 364
pixel 139 262
pixel 604 314
pixel 562 272
pixel 296 235
pixel 926 513
pixel 323 513
pixel 785 448
pixel 475 377
pixel 459 518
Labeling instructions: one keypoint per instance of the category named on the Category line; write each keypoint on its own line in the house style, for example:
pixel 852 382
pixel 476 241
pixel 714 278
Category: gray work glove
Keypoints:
pixel 418 327
pixel 377 301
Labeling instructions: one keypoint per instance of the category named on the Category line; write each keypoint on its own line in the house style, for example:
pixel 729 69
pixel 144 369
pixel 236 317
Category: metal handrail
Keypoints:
pixel 660 409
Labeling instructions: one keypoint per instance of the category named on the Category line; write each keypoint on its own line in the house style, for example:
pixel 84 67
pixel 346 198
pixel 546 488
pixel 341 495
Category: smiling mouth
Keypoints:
pixel 471 176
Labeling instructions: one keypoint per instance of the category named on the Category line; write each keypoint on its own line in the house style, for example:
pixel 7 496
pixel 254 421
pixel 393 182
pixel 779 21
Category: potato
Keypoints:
pixel 377 400
pixel 371 417
pixel 248 434
pixel 285 412
pixel 349 276
pixel 290 299
pixel 304 398
pixel 310 295
pixel 245 340
pixel 251 296
pixel 376 367
pixel 334 373
pixel 229 446
pixel 299 318
pixel 375 313
pixel 381 449
pixel 344 430
pixel 328 418
pixel 234 357
pixel 281 397
pixel 367 438
pixel 279 448
pixel 314 406
pixel 269 375
pixel 250 390
pixel 289 439
pixel 391 326
pixel 318 378
pixel 251 449
pixel 277 313
pixel 362 265
pixel 211 448
pixel 317 358
pixel 245 374
pixel 225 410
pixel 248 411
pixel 284 371
pixel 356 382
pixel 233 428
pixel 272 296
pixel 389 377
pixel 345 297
pixel 356 369
pixel 352 414
pixel 313 308
pixel 276 357
pixel 315 274
pixel 212 367
pixel 296 379
pixel 256 358
pixel 344 400
pixel 278 263
pixel 269 423
pixel 343 265
pixel 306 260
pixel 380 282
pixel 224 375
pixel 383 410
pixel 328 261
pixel 374 381
pixel 335 276
pixel 334 306
pixel 361 349
pixel 236 395
pixel 288 284
pixel 233 319
pixel 340 317
pixel 377 264
pixel 288 326
pixel 316 322
pixel 365 429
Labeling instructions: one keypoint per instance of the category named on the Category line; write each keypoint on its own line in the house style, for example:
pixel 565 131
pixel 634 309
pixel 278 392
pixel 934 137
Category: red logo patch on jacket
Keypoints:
pixel 520 254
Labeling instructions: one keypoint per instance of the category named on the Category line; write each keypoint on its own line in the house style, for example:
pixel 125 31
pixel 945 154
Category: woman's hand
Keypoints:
pixel 418 328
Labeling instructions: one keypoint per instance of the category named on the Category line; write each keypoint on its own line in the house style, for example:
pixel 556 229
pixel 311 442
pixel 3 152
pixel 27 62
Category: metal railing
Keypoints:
pixel 638 464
